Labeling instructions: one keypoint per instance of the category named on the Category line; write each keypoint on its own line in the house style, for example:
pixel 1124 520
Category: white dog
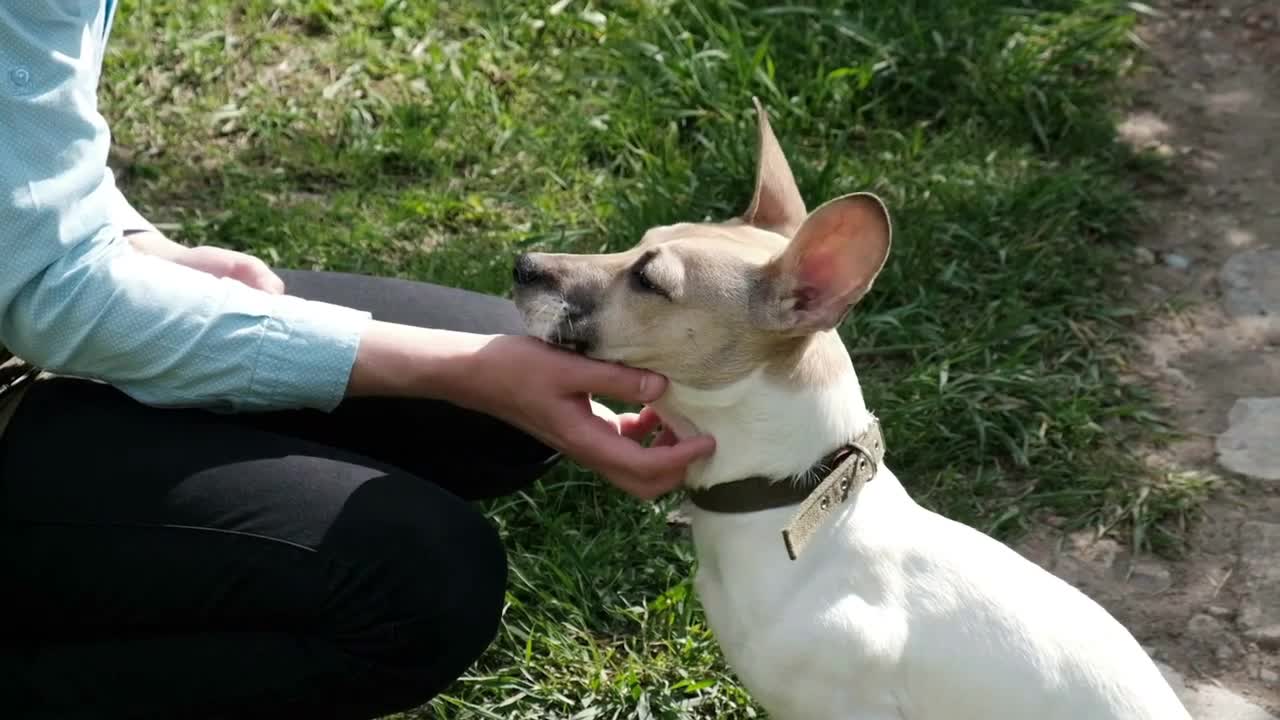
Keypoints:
pixel 843 600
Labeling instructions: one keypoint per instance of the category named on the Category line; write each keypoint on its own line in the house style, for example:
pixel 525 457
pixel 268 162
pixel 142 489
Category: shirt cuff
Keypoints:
pixel 308 350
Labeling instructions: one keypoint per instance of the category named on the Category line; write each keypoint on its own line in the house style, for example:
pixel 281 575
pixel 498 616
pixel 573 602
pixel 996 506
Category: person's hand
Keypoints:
pixel 216 261
pixel 224 263
pixel 538 388
pixel 547 391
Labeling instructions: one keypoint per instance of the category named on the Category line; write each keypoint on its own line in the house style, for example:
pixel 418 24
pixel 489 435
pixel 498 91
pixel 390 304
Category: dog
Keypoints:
pixel 848 600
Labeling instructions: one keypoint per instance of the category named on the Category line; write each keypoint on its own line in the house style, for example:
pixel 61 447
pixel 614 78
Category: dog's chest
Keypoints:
pixel 804 636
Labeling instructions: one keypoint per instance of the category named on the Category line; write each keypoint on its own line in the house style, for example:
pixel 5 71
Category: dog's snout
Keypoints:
pixel 528 271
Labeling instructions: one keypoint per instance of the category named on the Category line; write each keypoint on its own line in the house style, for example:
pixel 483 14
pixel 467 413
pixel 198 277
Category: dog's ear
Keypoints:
pixel 827 268
pixel 776 204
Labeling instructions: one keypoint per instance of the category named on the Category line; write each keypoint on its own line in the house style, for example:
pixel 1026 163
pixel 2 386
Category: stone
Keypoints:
pixel 1099 551
pixel 1251 444
pixel 1176 261
pixel 1260 582
pixel 1210 702
pixel 1220 612
pixel 1267 638
pixel 1203 625
pixel 1251 284
pixel 1147 576
pixel 1270 677
pixel 1143 256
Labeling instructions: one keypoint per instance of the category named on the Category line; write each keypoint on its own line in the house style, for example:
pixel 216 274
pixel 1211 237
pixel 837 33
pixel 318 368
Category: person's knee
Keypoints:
pixel 459 612
pixel 429 572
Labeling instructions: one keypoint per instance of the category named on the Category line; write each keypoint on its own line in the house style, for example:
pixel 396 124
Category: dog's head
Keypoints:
pixel 707 303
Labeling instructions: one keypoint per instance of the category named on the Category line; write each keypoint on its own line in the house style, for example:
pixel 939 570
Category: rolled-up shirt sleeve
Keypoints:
pixel 77 299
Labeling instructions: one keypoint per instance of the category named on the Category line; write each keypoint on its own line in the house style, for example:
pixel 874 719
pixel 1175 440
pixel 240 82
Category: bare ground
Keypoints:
pixel 1210 102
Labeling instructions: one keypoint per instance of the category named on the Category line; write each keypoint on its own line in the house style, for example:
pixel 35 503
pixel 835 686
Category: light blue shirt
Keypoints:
pixel 77 299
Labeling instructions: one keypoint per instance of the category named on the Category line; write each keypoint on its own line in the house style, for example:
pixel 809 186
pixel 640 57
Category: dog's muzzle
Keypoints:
pixel 550 313
pixel 527 272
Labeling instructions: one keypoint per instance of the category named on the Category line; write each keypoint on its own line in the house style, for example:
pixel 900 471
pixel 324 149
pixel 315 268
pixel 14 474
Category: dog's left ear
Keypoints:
pixel 827 268
pixel 776 204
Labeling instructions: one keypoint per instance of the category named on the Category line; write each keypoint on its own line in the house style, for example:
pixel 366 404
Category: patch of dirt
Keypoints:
pixel 1211 104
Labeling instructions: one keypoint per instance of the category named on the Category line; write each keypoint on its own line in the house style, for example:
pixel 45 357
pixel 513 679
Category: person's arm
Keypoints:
pixel 77 298
pixel 541 389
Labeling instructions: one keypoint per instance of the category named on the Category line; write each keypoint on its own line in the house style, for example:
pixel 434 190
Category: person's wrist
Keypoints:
pixel 467 370
pixel 406 361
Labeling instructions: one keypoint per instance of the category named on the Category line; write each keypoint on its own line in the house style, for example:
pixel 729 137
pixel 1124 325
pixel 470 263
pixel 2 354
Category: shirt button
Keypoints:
pixel 20 76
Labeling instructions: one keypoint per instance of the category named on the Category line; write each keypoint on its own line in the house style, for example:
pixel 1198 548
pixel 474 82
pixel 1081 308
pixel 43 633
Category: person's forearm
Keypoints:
pixel 404 361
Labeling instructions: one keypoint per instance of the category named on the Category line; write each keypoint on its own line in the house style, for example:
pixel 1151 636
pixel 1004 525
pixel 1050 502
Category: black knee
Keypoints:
pixel 424 579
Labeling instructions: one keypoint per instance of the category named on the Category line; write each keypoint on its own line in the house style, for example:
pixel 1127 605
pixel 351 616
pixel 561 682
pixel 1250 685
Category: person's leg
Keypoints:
pixel 471 454
pixel 166 564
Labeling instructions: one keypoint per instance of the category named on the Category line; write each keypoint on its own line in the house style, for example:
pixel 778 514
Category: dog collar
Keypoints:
pixel 855 463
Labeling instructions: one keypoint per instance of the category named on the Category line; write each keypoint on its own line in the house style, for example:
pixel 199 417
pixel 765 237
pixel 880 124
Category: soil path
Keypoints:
pixel 1209 275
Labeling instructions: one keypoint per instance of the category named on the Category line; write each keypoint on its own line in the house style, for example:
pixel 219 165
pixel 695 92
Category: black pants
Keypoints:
pixel 182 564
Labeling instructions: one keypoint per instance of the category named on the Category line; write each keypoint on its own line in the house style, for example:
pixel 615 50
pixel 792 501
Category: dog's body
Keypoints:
pixel 892 612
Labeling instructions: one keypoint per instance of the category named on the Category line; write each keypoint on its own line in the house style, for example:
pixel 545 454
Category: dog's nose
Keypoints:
pixel 527 270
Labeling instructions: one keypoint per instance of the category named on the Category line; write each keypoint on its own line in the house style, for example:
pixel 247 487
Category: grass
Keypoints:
pixel 435 140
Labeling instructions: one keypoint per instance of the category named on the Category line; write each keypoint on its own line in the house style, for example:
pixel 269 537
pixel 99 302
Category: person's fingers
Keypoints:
pixel 584 375
pixel 637 426
pixel 648 489
pixel 651 462
pixel 666 436
pixel 678 455
pixel 595 443
pixel 253 272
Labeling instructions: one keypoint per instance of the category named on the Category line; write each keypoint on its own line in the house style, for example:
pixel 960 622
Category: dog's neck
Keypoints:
pixel 767 425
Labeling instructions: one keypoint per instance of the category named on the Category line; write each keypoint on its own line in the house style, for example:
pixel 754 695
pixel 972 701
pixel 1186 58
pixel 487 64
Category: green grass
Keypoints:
pixel 436 140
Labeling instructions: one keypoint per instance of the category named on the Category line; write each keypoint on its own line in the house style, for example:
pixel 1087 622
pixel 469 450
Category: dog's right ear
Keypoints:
pixel 826 269
pixel 776 205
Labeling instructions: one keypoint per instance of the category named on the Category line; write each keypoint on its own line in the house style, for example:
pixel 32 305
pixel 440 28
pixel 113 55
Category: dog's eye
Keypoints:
pixel 642 281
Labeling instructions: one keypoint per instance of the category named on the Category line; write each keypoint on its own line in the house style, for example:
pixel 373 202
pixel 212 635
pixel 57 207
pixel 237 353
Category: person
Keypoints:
pixel 242 491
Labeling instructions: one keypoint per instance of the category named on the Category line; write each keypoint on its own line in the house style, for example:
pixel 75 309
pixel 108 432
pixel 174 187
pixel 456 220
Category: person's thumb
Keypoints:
pixel 615 381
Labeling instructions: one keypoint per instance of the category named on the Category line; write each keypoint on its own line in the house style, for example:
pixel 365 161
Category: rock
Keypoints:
pixel 1251 284
pixel 1203 625
pixel 1251 444
pixel 1099 551
pixel 1176 261
pixel 1260 584
pixel 1210 702
pixel 1143 256
pixel 1267 638
pixel 1218 611
pixel 1147 576
pixel 1270 677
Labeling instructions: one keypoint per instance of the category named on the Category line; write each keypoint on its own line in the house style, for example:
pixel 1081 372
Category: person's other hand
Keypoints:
pixel 216 261
pixel 224 263
pixel 547 392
